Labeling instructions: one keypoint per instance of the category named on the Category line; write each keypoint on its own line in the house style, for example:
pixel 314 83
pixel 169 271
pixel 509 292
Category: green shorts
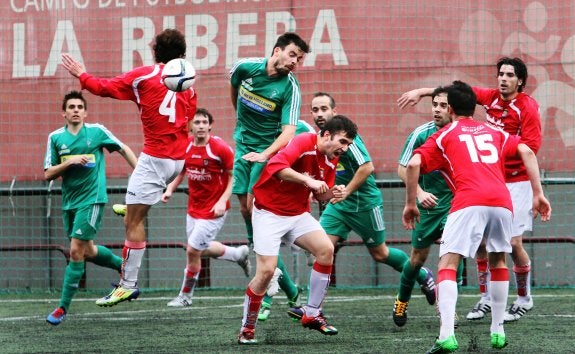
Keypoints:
pixel 246 173
pixel 429 229
pixel 83 223
pixel 369 224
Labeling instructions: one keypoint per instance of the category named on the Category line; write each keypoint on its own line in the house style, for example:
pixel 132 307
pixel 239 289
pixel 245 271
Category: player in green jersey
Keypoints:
pixel 267 99
pixel 362 210
pixel 75 152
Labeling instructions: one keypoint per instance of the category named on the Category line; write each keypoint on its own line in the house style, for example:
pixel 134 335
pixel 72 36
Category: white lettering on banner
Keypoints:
pixel 201 31
pixel 106 3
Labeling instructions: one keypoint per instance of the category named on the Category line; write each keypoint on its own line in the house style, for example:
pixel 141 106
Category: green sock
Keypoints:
pixel 408 277
pixel 267 301
pixel 250 231
pixel 286 284
pixel 396 259
pixel 459 278
pixel 72 276
pixel 105 258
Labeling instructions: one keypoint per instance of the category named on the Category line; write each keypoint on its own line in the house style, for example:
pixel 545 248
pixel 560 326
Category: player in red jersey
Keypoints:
pixel 509 108
pixel 164 116
pixel 208 168
pixel 471 155
pixel 282 212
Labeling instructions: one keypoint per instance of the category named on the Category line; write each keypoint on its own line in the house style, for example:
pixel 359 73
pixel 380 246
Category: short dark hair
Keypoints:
pixel 461 98
pixel 290 37
pixel 321 94
pixel 438 91
pixel 169 44
pixel 340 123
pixel 520 69
pixel 74 95
pixel 204 112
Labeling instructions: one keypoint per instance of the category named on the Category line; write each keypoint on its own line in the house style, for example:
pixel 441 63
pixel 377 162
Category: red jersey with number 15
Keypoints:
pixel 471 156
pixel 208 172
pixel 164 113
pixel 289 198
pixel 519 116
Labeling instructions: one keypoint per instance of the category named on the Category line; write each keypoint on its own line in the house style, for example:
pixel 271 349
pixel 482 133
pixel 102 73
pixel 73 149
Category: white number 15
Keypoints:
pixel 480 147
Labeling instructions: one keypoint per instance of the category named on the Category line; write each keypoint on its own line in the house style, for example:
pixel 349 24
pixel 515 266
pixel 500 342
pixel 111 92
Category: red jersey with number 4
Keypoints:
pixel 164 113
pixel 289 198
pixel 208 172
pixel 519 116
pixel 471 156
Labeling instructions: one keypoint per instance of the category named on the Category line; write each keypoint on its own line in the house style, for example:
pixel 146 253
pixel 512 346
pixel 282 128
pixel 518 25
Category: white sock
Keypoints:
pixel 230 254
pixel 131 267
pixel 318 284
pixel 446 303
pixel 499 293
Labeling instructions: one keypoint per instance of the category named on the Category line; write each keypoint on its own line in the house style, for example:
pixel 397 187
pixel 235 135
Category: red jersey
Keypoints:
pixel 208 171
pixel 519 116
pixel 471 156
pixel 289 198
pixel 164 113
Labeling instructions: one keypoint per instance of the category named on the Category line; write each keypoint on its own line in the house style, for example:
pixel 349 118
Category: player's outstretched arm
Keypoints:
pixel 74 67
pixel 412 97
pixel 128 155
pixel 540 204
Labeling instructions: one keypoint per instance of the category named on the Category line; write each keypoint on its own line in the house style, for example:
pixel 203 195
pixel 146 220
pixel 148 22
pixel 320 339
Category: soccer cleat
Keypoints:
pixel 319 324
pixel 428 286
pixel 247 336
pixel 297 312
pixel 119 294
pixel 244 260
pixel 274 285
pixel 265 312
pixel 180 301
pixel 57 316
pixel 448 345
pixel 481 308
pixel 400 312
pixel 119 209
pixel 516 311
pixel 498 341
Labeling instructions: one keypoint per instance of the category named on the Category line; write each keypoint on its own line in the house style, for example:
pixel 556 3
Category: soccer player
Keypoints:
pixel 208 168
pixel 164 116
pixel 362 209
pixel 509 108
pixel 282 212
pixel 471 155
pixel 265 310
pixel 434 200
pixel 75 152
pixel 266 96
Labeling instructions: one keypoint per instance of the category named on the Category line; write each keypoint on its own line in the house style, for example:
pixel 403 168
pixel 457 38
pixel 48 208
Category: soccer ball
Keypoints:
pixel 178 75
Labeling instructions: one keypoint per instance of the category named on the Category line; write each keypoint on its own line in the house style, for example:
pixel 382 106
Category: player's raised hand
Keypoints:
pixel 74 67
pixel 409 98
pixel 410 216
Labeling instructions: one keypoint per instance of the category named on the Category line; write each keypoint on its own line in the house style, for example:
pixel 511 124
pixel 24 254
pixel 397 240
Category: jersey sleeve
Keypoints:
pixel 483 95
pixel 431 156
pixel 236 74
pixel 119 87
pixel 51 158
pixel 359 151
pixel 510 146
pixel 226 153
pixel 531 126
pixel 292 103
pixel 108 140
pixel 287 156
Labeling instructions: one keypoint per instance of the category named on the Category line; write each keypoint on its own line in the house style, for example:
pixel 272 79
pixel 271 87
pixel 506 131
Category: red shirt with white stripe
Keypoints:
pixel 208 171
pixel 164 113
pixel 471 156
pixel 519 116
pixel 288 198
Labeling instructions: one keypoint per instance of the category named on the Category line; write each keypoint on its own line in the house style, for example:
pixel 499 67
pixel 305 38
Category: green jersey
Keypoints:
pixel 264 103
pixel 304 127
pixel 368 195
pixel 82 185
pixel 433 182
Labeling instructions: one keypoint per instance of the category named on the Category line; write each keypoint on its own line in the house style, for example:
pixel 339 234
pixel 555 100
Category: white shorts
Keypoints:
pixel 149 179
pixel 466 227
pixel 522 198
pixel 203 231
pixel 270 229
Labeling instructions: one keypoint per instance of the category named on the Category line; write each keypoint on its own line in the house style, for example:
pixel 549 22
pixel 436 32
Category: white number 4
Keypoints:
pixel 480 147
pixel 168 106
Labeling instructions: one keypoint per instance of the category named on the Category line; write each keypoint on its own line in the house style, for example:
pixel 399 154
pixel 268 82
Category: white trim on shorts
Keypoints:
pixel 150 178
pixel 203 231
pixel 270 229
pixel 522 198
pixel 465 228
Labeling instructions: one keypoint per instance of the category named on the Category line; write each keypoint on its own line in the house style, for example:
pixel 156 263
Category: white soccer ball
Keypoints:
pixel 178 75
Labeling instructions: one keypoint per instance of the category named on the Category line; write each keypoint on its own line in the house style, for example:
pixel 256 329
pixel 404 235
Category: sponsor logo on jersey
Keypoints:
pixel 340 169
pixel 256 102
pixel 200 175
pixel 91 159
